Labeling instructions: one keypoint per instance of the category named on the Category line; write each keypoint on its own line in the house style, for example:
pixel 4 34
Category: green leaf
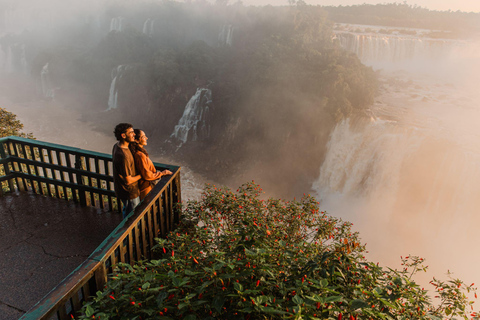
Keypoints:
pixel 358 304
pixel 237 286
pixel 188 272
pixel 89 311
pixel 273 310
pixel 190 317
pixel 176 282
pixel 218 302
pixel 333 299
pixel 324 283
pixel 182 305
pixel 218 266
pixel 297 300
pixel 161 297
pixel 146 285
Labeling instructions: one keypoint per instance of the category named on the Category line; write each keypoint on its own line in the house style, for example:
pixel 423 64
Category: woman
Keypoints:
pixel 144 165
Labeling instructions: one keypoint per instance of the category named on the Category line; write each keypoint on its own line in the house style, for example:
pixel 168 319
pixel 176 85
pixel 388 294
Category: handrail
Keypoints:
pixel 49 169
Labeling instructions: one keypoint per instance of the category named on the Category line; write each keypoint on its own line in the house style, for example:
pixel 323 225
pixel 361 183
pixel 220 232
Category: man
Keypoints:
pixel 125 178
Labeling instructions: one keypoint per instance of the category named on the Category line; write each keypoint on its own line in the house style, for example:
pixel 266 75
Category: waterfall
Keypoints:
pixel 148 26
pixel 8 64
pixel 409 177
pixel 113 95
pixel 375 47
pixel 194 123
pixel 47 90
pixel 14 60
pixel 225 37
pixel 118 74
pixel 380 47
pixel 116 24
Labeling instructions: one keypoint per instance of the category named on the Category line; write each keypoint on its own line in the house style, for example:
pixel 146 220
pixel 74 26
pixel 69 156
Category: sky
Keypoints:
pixel 443 5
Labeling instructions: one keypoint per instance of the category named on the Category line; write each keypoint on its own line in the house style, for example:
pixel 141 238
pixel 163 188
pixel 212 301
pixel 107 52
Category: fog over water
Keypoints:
pixel 409 177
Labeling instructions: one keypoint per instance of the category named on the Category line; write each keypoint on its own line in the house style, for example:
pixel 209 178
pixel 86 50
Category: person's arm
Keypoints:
pixel 146 168
pixel 130 179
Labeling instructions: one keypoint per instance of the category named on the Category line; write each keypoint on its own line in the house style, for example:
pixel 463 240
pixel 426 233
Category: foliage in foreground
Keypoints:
pixel 235 256
pixel 11 126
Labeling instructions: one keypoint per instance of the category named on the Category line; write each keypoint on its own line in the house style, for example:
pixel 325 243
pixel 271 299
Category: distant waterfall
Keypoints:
pixel 225 37
pixel 194 124
pixel 148 27
pixel 388 47
pixel 116 24
pixel 15 59
pixel 47 89
pixel 117 74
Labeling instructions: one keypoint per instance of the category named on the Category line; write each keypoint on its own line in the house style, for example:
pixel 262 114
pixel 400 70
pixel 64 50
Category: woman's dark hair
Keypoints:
pixel 134 146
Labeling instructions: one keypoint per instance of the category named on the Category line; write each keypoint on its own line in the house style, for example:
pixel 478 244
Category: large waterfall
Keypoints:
pixel 409 176
pixel 194 124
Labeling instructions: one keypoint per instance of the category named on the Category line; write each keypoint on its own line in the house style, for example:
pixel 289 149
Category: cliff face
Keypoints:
pixel 238 93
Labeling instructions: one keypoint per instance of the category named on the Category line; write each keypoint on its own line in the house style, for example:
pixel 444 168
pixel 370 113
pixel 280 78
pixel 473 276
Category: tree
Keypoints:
pixel 10 126
pixel 236 256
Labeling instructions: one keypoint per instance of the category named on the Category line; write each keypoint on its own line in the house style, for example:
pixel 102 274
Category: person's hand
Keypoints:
pixel 165 172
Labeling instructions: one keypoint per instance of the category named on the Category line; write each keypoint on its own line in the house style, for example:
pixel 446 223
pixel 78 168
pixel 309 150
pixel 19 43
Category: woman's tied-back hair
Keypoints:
pixel 121 128
pixel 134 146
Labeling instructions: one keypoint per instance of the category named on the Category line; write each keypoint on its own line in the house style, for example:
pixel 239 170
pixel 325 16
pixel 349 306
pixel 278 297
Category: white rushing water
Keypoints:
pixel 194 123
pixel 409 177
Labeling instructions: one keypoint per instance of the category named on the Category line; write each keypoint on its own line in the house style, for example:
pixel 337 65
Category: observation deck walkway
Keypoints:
pixel 42 240
pixel 59 219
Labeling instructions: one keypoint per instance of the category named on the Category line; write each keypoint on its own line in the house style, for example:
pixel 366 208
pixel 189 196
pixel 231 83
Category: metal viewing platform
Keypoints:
pixel 57 206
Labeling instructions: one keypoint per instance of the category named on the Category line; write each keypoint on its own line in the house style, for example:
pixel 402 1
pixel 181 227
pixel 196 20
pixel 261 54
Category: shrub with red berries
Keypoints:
pixel 237 256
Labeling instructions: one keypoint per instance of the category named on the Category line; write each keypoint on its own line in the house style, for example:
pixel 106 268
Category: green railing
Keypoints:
pixel 85 177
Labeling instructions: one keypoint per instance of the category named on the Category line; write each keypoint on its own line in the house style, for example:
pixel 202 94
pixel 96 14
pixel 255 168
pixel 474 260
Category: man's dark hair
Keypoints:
pixel 121 128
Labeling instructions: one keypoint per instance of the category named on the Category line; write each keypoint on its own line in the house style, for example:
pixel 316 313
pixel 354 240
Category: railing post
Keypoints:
pixel 81 192
pixel 177 199
pixel 101 277
pixel 6 167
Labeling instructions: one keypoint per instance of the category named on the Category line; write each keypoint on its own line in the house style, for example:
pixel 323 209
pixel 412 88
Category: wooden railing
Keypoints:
pixel 85 177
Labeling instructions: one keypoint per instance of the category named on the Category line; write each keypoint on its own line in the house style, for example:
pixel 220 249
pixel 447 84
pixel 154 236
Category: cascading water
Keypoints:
pixel 194 123
pixel 14 60
pixel 148 27
pixel 47 90
pixel 225 38
pixel 116 24
pixel 117 74
pixel 382 49
pixel 409 177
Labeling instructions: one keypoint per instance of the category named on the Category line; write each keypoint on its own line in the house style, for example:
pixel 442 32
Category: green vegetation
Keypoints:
pixel 236 256
pixel 277 90
pixel 10 126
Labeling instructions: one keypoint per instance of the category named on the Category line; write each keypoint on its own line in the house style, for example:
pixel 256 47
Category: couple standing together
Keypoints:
pixel 133 172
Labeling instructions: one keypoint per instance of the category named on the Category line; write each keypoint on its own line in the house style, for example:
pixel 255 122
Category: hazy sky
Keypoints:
pixel 454 5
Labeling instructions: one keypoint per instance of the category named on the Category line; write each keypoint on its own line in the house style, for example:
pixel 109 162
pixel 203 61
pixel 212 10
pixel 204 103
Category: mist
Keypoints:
pixel 408 177
pixel 386 139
